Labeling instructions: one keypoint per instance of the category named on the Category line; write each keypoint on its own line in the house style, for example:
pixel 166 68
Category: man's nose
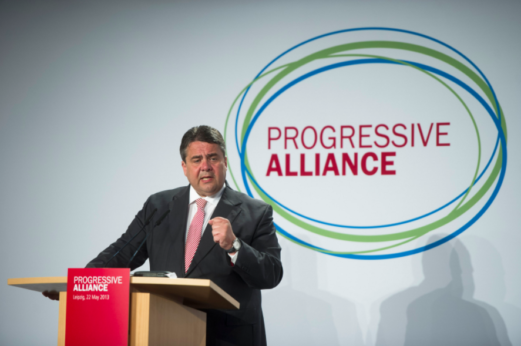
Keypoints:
pixel 205 165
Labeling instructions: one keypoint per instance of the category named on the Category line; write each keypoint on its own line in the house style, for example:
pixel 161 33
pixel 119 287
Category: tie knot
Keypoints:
pixel 200 203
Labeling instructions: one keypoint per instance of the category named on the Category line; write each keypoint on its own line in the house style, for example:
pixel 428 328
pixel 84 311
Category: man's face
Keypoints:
pixel 205 167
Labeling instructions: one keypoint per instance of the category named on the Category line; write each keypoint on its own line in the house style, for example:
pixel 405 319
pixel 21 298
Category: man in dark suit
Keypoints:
pixel 211 232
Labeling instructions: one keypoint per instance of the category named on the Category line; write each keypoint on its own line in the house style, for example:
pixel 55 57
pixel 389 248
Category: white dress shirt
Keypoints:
pixel 211 203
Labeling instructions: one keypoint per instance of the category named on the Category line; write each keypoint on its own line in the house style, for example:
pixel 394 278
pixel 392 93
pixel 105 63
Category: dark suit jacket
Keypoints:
pixel 257 267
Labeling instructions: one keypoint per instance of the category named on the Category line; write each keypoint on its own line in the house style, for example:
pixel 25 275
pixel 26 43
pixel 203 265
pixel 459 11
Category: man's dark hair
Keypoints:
pixel 201 133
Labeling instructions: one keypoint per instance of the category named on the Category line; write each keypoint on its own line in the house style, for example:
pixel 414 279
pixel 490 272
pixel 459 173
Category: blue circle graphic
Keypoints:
pixel 496 118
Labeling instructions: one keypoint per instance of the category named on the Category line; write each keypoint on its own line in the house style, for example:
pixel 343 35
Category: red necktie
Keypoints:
pixel 194 233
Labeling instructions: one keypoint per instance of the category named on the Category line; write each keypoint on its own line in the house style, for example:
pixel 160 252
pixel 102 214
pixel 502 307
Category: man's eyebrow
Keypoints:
pixel 195 157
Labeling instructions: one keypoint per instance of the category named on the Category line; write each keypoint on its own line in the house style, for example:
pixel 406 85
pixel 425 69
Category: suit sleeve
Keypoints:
pixel 135 237
pixel 258 263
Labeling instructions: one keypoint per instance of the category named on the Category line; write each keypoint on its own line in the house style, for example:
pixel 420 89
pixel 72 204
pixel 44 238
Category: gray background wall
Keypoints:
pixel 95 96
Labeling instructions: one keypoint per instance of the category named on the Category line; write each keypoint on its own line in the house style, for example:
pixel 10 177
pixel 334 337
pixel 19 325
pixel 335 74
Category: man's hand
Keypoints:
pixel 53 295
pixel 222 232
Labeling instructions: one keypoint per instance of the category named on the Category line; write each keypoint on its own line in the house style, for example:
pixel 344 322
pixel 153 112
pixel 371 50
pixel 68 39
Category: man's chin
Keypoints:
pixel 207 190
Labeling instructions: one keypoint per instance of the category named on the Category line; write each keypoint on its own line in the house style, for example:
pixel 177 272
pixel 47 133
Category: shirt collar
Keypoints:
pixel 209 199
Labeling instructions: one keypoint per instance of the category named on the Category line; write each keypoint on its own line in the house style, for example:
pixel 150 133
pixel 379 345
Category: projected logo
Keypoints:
pixel 368 141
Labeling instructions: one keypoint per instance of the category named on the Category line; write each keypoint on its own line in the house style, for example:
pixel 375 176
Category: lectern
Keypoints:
pixel 162 310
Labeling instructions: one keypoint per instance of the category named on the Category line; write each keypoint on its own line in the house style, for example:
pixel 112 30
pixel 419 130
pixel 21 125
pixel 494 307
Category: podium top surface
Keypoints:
pixel 196 293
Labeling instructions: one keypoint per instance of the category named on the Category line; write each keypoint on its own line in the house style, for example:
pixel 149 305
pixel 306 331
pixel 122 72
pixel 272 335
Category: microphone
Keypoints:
pixel 147 221
pixel 158 222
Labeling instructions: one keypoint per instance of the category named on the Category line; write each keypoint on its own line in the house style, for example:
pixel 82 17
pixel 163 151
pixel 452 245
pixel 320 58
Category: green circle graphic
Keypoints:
pixel 277 74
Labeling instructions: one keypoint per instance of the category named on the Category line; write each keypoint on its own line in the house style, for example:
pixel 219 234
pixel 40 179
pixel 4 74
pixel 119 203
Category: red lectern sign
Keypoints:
pixel 97 307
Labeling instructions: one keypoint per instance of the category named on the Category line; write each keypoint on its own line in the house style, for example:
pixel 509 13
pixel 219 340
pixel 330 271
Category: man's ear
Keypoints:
pixel 184 167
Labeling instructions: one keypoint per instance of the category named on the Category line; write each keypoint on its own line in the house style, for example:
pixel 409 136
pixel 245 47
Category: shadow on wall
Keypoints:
pixel 297 312
pixel 441 310
pixel 489 276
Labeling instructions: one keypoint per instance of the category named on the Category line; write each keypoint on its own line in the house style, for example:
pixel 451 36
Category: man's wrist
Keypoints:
pixel 236 245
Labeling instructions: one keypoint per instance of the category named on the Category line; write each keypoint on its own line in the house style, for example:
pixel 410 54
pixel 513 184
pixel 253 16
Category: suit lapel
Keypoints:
pixel 228 208
pixel 178 217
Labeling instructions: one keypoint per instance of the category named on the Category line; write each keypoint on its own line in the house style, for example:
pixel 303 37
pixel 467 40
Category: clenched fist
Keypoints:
pixel 222 232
